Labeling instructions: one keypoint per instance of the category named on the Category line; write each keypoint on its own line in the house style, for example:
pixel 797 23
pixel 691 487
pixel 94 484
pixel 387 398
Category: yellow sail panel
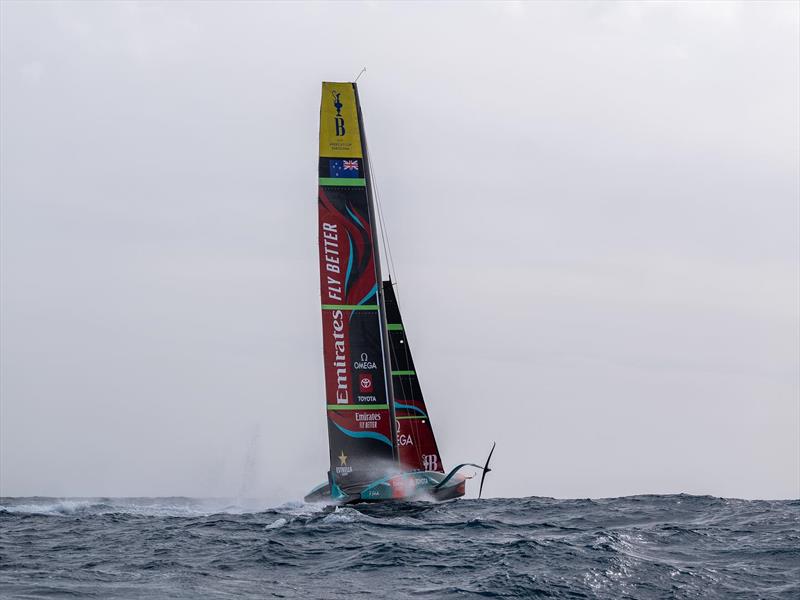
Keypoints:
pixel 339 136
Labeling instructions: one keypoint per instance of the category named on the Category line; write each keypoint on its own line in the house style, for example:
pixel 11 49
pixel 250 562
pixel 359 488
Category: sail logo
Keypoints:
pixel 342 384
pixel 338 120
pixel 368 420
pixel 330 250
pixel 338 126
pixel 430 462
pixel 337 102
pixel 365 382
pixel 364 363
pixel 343 468
pixel 404 440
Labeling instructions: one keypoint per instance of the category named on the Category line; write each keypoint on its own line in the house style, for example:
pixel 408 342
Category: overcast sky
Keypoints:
pixel 593 211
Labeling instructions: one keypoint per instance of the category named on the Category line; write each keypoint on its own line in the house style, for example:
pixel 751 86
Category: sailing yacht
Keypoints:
pixel 380 437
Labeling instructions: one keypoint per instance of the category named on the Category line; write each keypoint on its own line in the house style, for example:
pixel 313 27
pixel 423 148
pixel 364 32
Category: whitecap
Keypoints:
pixel 277 524
pixel 343 514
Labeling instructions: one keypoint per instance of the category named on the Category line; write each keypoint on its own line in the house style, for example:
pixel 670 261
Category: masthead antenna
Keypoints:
pixel 360 73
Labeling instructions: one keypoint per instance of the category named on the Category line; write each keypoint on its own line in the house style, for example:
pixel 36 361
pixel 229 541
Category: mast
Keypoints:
pixel 387 361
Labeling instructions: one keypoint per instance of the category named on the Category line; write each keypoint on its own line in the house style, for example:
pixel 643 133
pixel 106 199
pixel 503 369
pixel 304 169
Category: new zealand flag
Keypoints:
pixel 343 168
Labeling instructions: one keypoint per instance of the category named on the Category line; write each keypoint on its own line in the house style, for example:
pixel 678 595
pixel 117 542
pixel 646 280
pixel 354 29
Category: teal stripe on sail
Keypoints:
pixel 409 407
pixel 370 294
pixel 363 434
pixel 354 217
pixel 349 263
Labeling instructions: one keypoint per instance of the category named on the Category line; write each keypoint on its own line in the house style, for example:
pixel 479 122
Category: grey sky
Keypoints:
pixel 593 211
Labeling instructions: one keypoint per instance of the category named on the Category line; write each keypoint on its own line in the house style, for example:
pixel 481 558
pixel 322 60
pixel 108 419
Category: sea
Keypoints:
pixel 672 546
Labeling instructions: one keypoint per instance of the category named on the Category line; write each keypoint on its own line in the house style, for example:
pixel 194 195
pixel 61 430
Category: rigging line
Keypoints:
pixel 384 236
pixel 384 232
pixel 379 205
pixel 387 247
pixel 376 194
pixel 360 73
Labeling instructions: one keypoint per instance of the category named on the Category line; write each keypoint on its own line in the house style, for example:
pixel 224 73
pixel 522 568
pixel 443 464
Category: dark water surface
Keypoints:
pixel 635 547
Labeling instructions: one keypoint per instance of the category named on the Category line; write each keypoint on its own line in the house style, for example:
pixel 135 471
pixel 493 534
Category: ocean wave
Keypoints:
pixel 636 547
pixel 343 514
pixel 154 507
pixel 56 507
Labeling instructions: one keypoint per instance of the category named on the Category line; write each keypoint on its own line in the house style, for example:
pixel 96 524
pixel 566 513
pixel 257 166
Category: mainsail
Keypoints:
pixel 358 397
pixel 417 450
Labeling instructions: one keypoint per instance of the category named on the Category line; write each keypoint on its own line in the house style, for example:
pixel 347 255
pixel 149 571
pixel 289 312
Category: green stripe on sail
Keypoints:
pixel 404 372
pixel 412 417
pixel 343 181
pixel 358 406
pixel 394 326
pixel 349 307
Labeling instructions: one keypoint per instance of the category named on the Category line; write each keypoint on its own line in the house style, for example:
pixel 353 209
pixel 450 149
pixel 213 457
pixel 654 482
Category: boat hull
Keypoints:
pixel 404 487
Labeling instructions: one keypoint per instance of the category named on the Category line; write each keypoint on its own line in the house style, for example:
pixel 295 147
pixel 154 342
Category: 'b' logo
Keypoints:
pixel 430 462
pixel 338 119
pixel 339 125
